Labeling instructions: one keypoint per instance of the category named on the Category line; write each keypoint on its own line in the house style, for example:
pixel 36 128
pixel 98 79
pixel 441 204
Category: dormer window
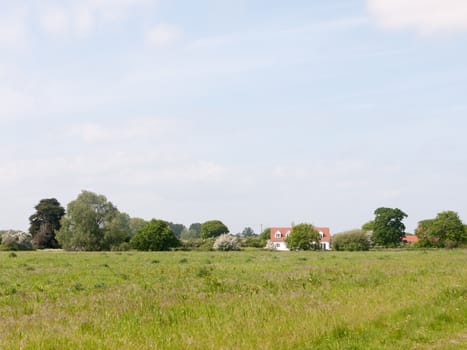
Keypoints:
pixel 321 234
pixel 287 234
pixel 278 234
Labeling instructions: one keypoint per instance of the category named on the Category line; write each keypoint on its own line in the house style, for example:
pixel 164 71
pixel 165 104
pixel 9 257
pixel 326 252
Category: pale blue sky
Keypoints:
pixel 251 112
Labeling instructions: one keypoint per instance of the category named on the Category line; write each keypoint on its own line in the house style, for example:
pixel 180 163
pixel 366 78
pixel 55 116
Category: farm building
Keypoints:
pixel 279 234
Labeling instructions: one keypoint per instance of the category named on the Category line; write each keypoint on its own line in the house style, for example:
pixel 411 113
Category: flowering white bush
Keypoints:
pixel 17 240
pixel 226 242
pixel 270 245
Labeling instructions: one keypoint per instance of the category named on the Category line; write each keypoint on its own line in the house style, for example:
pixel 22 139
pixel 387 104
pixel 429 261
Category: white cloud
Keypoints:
pixel 162 35
pixel 426 17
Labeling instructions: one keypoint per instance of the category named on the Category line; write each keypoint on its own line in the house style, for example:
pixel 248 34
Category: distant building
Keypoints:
pixel 279 234
pixel 409 239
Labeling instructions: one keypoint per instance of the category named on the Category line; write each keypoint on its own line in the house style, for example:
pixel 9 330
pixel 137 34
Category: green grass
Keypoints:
pixel 237 300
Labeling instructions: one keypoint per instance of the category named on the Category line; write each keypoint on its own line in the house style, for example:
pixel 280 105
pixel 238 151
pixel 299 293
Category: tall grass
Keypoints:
pixel 236 300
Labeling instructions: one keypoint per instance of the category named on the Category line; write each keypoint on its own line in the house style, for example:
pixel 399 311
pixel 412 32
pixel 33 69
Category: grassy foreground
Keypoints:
pixel 238 300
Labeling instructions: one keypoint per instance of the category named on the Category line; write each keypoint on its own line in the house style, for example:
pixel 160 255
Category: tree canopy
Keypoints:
pixel 248 232
pixel 388 228
pixel 446 229
pixel 44 222
pixel 93 223
pixel 303 237
pixel 213 228
pixel 156 235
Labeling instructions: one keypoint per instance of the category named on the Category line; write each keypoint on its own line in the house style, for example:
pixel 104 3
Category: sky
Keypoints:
pixel 257 113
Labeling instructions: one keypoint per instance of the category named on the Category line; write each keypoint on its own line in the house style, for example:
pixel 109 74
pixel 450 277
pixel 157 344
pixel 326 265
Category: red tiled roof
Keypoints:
pixel 410 239
pixel 284 230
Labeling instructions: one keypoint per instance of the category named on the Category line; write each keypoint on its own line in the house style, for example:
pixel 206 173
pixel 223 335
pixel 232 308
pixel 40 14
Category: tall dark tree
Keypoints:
pixel 388 228
pixel 44 222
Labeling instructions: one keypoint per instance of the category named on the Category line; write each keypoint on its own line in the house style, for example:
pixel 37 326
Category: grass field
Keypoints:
pixel 237 300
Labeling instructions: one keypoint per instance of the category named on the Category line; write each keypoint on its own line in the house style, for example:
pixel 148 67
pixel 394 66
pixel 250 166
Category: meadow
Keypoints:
pixel 408 299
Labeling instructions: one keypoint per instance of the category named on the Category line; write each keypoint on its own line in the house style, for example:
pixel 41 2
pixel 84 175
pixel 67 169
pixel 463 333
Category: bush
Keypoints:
pixel 17 240
pixel 270 245
pixel 227 242
pixel 351 240
pixel 155 235
pixel 254 242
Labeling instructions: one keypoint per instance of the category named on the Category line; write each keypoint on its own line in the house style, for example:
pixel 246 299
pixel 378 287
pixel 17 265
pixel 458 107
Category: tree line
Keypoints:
pixel 93 223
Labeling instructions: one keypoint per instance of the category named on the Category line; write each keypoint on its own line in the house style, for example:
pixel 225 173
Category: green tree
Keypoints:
pixel 303 237
pixel 266 234
pixel 355 240
pixel 194 231
pixel 136 224
pixel 213 228
pixel 446 229
pixel 177 229
pixel 388 227
pixel 248 232
pixel 368 226
pixel 44 222
pixel 156 235
pixel 93 223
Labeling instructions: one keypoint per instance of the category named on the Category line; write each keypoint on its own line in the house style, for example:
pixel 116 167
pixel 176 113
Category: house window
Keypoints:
pixel 321 234
pixel 278 234
pixel 278 245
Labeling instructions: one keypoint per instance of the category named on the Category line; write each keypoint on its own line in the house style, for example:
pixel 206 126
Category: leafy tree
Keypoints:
pixel 388 228
pixel 196 227
pixel 354 240
pixel 248 232
pixel 44 222
pixel 369 226
pixel 446 229
pixel 93 223
pixel 156 235
pixel 213 228
pixel 192 232
pixel 303 237
pixel 266 234
pixel 136 224
pixel 177 228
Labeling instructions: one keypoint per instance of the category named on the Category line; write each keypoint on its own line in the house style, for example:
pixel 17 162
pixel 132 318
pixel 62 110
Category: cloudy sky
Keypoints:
pixel 253 112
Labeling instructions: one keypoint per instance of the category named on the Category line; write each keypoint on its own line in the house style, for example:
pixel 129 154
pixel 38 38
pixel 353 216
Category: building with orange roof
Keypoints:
pixel 278 236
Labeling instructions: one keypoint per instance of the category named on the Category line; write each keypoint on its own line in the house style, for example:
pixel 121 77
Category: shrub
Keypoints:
pixel 351 240
pixel 17 240
pixel 226 242
pixel 254 242
pixel 270 245
pixel 155 235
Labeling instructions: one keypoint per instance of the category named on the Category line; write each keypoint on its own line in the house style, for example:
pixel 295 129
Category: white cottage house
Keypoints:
pixel 279 234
